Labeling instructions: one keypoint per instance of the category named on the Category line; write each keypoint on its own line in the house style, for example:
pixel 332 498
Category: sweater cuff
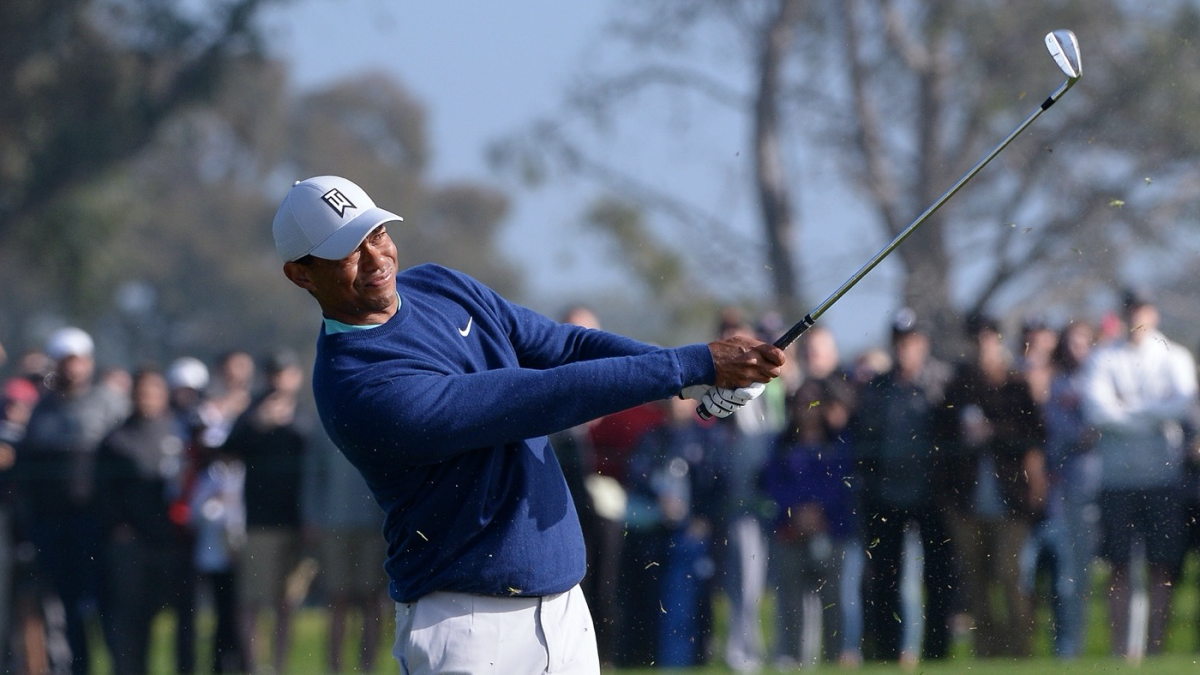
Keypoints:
pixel 696 365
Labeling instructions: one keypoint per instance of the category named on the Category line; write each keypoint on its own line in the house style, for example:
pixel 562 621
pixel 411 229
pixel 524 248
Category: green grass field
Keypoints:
pixel 308 654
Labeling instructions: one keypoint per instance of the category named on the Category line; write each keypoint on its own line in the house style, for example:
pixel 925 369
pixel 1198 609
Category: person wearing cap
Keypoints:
pixel 56 468
pixel 186 380
pixel 1137 394
pixel 895 435
pixel 441 392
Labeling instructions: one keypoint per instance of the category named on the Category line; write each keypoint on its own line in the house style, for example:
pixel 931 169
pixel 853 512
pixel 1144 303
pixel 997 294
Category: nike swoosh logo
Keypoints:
pixel 466 331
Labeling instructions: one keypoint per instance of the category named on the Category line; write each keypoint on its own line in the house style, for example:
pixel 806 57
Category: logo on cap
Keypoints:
pixel 338 201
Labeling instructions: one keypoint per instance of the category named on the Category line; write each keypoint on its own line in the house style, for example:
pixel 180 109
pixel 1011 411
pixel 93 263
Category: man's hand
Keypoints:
pixel 742 361
pixel 721 402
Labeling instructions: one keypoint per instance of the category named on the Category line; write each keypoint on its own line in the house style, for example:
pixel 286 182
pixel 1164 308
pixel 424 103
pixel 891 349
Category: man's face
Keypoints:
pixel 238 370
pixel 820 353
pixel 358 289
pixel 75 371
pixel 150 395
pixel 989 345
pixel 911 351
pixel 1142 321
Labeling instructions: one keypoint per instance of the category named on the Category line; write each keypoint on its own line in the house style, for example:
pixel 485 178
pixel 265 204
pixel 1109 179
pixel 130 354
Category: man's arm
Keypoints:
pixel 1102 403
pixel 543 343
pixel 422 417
pixel 1180 371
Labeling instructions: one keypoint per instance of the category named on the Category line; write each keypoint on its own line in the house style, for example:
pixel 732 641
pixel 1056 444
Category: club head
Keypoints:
pixel 1065 49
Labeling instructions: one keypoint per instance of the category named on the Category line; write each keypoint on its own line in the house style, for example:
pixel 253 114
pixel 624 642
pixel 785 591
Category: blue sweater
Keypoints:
pixel 445 411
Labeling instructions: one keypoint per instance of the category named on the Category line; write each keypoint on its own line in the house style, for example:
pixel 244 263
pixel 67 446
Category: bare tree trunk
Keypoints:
pixel 774 193
pixel 896 195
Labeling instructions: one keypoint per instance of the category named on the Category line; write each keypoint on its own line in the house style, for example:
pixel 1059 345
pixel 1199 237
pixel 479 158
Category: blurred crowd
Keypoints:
pixel 892 506
pixel 895 506
pixel 124 494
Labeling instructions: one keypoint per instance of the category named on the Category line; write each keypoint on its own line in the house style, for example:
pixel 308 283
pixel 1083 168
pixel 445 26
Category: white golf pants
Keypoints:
pixel 465 634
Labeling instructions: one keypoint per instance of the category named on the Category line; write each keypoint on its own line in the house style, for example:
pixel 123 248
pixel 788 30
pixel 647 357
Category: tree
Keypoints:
pixel 188 240
pixel 86 83
pixel 905 97
pixel 661 34
pixel 932 86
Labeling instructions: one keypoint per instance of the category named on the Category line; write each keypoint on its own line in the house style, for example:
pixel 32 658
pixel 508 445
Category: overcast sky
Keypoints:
pixel 483 69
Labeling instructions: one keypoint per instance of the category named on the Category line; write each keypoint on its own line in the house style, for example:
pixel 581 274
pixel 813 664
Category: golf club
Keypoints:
pixel 1065 49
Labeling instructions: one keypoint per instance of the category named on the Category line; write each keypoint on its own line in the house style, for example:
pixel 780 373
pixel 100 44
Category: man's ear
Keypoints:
pixel 298 274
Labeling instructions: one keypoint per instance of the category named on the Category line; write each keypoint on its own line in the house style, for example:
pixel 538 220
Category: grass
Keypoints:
pixel 1166 665
pixel 308 654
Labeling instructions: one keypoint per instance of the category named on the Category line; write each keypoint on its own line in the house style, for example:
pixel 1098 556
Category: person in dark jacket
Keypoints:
pixel 674 493
pixel 56 467
pixel 808 480
pixel 271 438
pixel 895 438
pixel 134 468
pixel 996 486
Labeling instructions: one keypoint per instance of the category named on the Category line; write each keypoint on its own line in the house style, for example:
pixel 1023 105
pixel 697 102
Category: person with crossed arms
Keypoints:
pixel 442 393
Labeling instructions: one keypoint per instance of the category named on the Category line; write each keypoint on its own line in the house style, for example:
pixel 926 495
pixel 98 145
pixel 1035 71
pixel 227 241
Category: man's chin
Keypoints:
pixel 381 302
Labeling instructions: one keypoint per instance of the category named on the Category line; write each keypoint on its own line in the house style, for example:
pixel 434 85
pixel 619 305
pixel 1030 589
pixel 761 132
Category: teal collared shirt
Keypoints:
pixel 334 326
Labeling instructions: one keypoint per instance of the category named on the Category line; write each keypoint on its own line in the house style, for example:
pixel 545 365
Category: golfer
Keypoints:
pixel 442 393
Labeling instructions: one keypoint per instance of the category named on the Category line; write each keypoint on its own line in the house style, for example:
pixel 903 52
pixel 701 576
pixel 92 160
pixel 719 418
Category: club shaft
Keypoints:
pixel 809 319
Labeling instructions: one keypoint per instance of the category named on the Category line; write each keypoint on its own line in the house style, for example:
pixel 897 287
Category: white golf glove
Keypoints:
pixel 721 402
pixel 695 392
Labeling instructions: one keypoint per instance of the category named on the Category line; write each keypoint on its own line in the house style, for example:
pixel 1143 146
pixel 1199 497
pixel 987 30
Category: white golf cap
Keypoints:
pixel 187 372
pixel 327 217
pixel 69 341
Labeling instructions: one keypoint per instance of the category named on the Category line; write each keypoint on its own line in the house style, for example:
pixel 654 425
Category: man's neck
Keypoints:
pixel 370 318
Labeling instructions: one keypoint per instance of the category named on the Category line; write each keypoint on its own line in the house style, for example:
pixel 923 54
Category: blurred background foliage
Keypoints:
pixel 144 145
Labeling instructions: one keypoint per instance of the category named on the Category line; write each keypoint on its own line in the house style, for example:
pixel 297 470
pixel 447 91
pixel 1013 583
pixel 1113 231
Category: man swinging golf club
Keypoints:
pixel 442 393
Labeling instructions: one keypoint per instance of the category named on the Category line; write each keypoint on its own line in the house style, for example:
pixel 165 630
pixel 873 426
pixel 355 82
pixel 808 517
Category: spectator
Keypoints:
pixel 743 566
pixel 1137 394
pixel 218 515
pixel 669 567
pixel 839 399
pixel 135 463
pixel 1038 341
pixel 36 366
pixel 995 487
pixel 228 396
pixel 187 379
pixel 18 398
pixel 270 438
pixel 1191 497
pixel 346 521
pixel 56 464
pixel 1073 472
pixel 894 437
pixel 613 439
pixel 807 480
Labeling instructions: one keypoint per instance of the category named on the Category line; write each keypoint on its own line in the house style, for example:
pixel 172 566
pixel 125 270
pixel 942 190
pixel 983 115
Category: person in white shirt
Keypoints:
pixel 1137 392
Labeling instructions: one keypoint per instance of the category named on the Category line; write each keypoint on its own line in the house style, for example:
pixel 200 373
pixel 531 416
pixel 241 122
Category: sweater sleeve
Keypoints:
pixel 541 342
pixel 424 418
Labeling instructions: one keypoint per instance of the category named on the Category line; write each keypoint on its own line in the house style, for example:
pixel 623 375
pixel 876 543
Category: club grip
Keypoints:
pixel 784 340
pixel 795 331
